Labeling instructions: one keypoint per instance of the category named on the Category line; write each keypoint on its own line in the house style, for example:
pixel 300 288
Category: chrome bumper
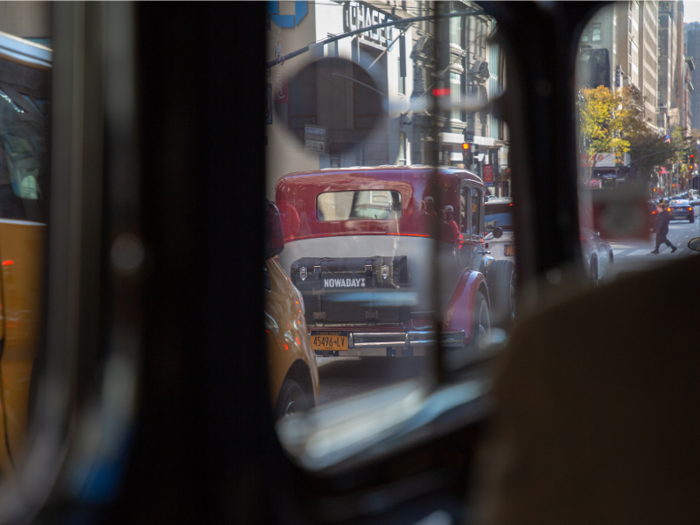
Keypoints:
pixel 409 339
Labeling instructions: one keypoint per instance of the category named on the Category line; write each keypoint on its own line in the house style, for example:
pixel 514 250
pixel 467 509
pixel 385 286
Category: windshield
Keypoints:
pixel 24 128
pixel 383 143
pixel 638 137
pixel 500 215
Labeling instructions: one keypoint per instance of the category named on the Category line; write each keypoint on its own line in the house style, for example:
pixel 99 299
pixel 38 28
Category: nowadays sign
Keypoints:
pixel 344 283
pixel 357 15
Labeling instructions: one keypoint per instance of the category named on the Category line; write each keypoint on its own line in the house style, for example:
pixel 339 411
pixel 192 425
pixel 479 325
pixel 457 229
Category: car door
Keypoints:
pixel 470 214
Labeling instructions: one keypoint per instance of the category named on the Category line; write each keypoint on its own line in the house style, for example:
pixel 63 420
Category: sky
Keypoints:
pixel 692 11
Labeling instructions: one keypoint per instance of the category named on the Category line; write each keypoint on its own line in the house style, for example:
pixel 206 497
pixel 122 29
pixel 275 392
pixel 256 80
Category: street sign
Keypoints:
pixel 315 138
pixel 488 174
pixel 468 136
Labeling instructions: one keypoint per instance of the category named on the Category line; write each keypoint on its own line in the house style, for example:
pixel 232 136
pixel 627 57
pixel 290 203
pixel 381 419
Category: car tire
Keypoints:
pixel 692 219
pixel 481 321
pixel 291 399
pixel 594 272
pixel 501 282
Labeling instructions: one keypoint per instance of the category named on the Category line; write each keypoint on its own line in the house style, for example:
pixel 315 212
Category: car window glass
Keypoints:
pixel 464 209
pixel 25 176
pixel 476 203
pixel 355 205
pixel 381 147
pixel 637 143
pixel 498 215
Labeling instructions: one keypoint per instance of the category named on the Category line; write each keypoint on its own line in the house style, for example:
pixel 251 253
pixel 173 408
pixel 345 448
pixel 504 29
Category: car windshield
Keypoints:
pixel 637 128
pixel 384 138
pixel 500 215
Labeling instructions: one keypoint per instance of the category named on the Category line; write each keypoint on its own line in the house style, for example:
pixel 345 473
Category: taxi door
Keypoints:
pixel 21 253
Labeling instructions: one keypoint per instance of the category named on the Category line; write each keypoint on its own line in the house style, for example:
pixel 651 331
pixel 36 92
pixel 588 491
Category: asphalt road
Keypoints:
pixel 346 376
pixel 635 256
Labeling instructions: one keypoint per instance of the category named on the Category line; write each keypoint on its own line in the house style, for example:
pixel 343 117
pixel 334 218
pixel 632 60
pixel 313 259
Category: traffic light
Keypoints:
pixel 467 154
pixel 691 158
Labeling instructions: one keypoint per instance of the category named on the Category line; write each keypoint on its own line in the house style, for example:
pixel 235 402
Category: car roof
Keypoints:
pixel 500 200
pixel 385 173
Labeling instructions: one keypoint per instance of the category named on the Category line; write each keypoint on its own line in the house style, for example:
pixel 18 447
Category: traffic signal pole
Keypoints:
pixel 397 22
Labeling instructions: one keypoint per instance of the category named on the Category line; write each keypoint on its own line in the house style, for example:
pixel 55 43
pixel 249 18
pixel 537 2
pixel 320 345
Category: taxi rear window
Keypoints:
pixel 358 205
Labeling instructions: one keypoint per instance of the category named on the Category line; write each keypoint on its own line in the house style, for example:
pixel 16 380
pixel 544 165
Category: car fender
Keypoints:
pixel 460 308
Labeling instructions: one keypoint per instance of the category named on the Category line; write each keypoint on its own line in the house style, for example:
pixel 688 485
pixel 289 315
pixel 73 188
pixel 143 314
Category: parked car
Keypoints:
pixel 596 251
pixel 681 209
pixel 499 228
pixel 499 238
pixel 294 383
pixel 597 255
pixel 362 257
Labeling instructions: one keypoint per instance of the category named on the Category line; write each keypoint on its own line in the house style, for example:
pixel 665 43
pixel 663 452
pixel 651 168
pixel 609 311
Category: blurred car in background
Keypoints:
pixel 294 383
pixel 681 209
pixel 597 255
pixel 499 228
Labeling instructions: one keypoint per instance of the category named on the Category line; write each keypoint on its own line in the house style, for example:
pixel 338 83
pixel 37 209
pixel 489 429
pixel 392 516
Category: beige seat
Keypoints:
pixel 598 408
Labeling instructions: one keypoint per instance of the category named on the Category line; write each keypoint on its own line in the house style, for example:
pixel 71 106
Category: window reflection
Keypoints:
pixel 384 221
pixel 637 148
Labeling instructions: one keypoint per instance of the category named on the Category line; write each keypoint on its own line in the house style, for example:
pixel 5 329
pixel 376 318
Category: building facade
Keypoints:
pixel 619 47
pixel 669 115
pixel 691 40
pixel 404 66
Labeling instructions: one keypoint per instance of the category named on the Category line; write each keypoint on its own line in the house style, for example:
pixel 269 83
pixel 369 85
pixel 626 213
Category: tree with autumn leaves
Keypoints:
pixel 603 117
pixel 612 121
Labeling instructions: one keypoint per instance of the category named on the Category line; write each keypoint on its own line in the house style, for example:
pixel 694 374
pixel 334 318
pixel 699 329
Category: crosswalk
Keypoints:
pixel 624 251
pixel 679 234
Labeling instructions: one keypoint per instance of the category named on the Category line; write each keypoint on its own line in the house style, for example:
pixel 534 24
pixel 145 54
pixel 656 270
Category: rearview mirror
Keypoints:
pixel 274 234
pixel 497 232
pixel 694 244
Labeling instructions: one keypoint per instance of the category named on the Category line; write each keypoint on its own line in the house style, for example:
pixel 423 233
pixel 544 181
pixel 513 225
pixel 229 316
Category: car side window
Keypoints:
pixel 475 210
pixel 463 209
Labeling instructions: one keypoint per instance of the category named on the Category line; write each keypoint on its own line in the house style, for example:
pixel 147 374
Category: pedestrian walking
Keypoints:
pixel 661 228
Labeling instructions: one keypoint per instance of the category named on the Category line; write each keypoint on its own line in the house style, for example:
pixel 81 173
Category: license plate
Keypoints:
pixel 509 249
pixel 329 341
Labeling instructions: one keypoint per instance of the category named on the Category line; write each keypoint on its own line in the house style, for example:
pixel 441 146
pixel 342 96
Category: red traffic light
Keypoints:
pixel 466 146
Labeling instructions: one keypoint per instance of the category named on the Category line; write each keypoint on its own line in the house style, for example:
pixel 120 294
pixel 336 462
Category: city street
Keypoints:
pixel 343 377
pixel 634 256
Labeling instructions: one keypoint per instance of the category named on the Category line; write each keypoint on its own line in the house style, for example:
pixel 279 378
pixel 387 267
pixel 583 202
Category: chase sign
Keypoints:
pixel 287 21
pixel 357 15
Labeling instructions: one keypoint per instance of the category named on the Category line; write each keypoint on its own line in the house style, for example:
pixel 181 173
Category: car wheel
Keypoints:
pixel 692 219
pixel 482 321
pixel 501 281
pixel 291 400
pixel 594 271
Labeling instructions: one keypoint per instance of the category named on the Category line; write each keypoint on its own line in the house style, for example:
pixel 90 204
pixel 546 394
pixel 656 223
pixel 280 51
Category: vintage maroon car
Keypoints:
pixel 360 246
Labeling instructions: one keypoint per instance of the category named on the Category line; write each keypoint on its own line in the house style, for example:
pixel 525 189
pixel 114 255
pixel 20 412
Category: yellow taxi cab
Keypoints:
pixel 25 70
pixel 294 384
